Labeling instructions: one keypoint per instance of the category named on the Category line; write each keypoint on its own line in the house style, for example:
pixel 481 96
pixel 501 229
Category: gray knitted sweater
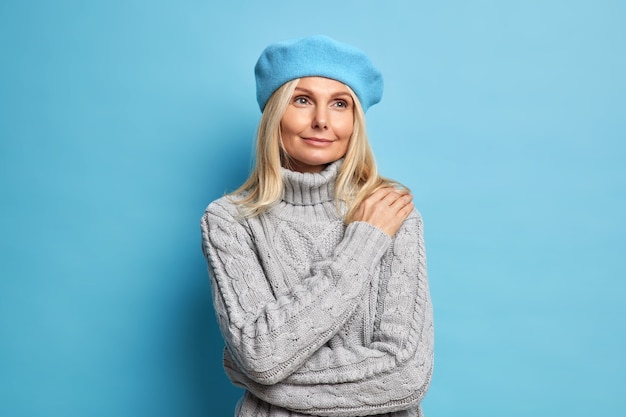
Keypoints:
pixel 319 318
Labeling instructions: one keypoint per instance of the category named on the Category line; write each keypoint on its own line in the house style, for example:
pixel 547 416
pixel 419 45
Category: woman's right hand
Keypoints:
pixel 386 209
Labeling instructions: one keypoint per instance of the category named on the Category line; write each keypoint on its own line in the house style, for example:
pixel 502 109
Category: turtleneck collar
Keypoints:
pixel 305 188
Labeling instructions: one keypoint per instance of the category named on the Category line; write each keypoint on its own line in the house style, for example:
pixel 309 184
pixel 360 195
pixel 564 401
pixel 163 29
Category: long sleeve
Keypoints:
pixel 402 329
pixel 391 371
pixel 270 336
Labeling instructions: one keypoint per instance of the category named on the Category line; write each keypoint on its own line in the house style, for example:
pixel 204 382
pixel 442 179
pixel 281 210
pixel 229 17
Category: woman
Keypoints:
pixel 317 264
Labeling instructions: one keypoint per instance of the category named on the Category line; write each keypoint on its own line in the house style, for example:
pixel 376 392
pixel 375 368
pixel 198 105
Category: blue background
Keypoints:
pixel 121 120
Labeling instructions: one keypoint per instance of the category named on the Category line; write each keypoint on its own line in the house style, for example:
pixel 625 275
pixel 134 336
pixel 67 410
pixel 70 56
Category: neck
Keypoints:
pixel 308 188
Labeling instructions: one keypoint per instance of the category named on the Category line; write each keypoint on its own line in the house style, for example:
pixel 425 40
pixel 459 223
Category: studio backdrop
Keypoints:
pixel 121 120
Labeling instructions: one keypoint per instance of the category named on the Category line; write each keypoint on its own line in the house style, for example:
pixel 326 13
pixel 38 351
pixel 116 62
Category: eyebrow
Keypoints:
pixel 335 94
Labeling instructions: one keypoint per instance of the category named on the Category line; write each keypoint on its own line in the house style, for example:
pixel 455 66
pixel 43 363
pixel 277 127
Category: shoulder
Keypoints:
pixel 223 225
pixel 223 209
pixel 408 242
pixel 416 215
pixel 412 227
pixel 414 218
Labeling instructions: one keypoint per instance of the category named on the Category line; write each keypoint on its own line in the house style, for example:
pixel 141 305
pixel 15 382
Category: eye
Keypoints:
pixel 302 100
pixel 341 104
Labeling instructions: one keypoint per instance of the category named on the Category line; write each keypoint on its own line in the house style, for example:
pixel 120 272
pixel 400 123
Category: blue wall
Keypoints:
pixel 121 120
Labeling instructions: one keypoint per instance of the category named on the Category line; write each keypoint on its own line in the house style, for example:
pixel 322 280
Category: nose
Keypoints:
pixel 320 118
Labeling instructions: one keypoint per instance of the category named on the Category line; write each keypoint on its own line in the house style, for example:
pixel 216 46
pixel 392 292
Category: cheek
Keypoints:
pixel 293 123
pixel 285 127
pixel 346 128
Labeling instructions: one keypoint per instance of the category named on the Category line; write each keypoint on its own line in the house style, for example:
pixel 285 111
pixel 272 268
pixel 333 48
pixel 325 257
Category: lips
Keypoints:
pixel 319 140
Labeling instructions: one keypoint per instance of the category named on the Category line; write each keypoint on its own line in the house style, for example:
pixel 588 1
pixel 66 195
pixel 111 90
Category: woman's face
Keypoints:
pixel 318 123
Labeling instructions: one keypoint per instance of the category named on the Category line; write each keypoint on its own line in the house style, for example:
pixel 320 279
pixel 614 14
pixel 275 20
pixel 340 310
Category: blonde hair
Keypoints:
pixel 357 179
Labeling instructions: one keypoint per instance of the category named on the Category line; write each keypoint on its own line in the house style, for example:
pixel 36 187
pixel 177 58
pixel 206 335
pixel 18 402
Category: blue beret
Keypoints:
pixel 317 56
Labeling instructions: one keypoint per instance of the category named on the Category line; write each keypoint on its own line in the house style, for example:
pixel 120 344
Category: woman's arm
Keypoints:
pixel 271 337
pixel 390 373
pixel 402 329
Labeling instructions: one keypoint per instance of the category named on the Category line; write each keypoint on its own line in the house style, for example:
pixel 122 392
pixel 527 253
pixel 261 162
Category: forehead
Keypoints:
pixel 322 85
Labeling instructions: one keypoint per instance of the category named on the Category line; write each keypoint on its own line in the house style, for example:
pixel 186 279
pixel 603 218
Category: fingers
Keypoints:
pixel 397 198
pixel 389 194
pixel 387 208
pixel 402 200
pixel 406 209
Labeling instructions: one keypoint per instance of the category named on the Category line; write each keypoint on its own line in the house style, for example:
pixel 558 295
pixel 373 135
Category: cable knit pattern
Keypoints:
pixel 319 318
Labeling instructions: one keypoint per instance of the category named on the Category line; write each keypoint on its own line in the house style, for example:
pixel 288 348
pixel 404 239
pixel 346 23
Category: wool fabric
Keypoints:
pixel 319 318
pixel 319 56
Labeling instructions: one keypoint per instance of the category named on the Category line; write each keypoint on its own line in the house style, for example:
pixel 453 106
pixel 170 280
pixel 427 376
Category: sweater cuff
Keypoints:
pixel 365 243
